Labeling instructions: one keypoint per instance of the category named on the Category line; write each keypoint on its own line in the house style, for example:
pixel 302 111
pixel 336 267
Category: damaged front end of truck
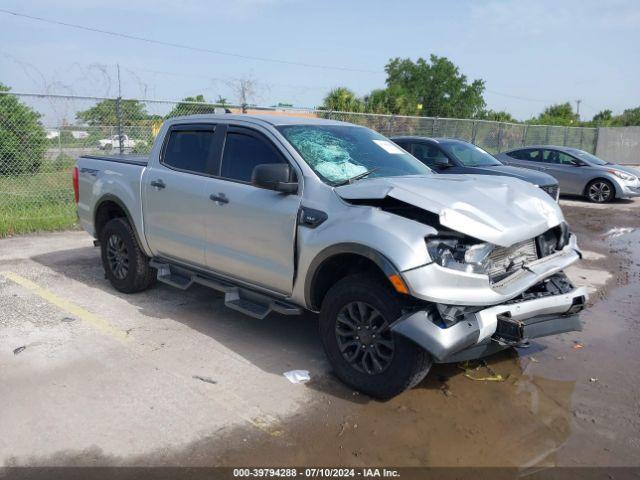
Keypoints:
pixel 497 250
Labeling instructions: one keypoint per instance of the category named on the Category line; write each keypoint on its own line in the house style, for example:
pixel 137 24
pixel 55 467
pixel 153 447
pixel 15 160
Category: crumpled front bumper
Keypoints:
pixel 437 284
pixel 474 335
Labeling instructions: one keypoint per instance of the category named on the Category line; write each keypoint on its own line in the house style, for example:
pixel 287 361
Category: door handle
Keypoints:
pixel 158 183
pixel 220 198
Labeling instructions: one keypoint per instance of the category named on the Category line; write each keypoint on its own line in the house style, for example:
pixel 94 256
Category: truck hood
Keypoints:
pixel 496 209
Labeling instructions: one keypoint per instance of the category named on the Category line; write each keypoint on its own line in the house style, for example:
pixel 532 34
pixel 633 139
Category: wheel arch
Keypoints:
pixel 337 261
pixel 616 192
pixel 109 207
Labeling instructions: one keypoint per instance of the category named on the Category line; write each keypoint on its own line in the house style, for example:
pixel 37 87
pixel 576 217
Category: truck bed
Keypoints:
pixel 116 176
pixel 141 160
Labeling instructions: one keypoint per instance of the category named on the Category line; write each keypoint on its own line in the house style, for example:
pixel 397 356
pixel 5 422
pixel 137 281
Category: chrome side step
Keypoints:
pixel 255 304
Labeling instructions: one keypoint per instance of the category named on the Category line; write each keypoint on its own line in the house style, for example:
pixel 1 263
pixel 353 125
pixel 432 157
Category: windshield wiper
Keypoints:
pixel 356 177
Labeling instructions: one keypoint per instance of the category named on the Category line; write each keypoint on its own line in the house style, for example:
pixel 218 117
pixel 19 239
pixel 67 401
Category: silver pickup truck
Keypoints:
pixel 405 267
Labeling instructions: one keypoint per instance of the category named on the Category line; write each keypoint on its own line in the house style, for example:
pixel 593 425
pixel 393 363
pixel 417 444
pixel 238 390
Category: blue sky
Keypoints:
pixel 530 53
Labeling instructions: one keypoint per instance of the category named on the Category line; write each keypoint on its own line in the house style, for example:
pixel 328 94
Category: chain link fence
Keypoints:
pixel 42 135
pixel 494 137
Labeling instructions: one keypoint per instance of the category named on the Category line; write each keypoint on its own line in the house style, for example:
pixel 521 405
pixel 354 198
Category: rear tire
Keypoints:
pixel 370 358
pixel 600 191
pixel 125 264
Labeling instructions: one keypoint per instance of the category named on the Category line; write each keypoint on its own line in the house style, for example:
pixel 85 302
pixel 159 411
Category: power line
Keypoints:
pixel 186 47
pixel 228 54
pixel 138 68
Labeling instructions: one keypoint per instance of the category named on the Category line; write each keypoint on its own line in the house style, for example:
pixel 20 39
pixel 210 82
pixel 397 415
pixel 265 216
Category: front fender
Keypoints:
pixel 393 242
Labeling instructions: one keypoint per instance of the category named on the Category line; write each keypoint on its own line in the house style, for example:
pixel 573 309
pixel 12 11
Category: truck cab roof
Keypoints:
pixel 273 120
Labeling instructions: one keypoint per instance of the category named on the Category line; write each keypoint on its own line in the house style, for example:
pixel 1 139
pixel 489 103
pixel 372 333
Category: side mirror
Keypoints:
pixel 274 176
pixel 441 162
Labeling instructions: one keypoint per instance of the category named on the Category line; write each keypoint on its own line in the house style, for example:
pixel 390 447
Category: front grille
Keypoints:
pixel 504 261
pixel 552 190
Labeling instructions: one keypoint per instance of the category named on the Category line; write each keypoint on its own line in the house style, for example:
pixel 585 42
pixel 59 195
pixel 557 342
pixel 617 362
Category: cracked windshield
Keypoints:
pixel 338 153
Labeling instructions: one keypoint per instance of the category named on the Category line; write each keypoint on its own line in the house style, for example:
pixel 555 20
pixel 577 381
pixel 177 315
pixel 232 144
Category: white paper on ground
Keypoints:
pixel 298 376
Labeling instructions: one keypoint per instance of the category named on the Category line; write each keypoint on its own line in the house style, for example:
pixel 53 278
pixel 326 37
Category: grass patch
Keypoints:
pixel 40 202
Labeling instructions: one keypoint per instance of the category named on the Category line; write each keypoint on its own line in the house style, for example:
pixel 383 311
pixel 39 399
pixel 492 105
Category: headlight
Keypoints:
pixel 454 253
pixel 623 175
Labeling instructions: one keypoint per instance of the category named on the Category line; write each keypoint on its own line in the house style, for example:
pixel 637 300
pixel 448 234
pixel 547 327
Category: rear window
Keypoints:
pixel 189 150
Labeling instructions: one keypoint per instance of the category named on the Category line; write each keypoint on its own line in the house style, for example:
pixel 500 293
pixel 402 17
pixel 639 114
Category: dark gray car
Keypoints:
pixel 451 156
pixel 579 172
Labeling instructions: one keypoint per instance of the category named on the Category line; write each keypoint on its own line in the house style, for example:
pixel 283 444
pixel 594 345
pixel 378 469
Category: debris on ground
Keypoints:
pixel 297 376
pixel 205 379
pixel 577 346
pixel 345 425
pixel 445 390
pixel 593 379
pixel 534 360
pixel 618 231
pixel 18 350
pixel 492 377
pixel 68 319
pixel 404 408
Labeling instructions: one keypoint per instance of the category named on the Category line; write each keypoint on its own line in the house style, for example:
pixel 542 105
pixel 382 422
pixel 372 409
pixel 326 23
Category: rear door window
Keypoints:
pixel 529 154
pixel 244 149
pixel 192 148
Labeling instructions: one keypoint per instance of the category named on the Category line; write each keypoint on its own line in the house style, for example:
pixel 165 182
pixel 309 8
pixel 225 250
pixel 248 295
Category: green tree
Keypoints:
pixel 388 101
pixel 558 114
pixel 222 101
pixel 603 117
pixel 629 117
pixel 192 106
pixel 435 87
pixel 23 140
pixel 342 100
pixel 104 113
pixel 497 116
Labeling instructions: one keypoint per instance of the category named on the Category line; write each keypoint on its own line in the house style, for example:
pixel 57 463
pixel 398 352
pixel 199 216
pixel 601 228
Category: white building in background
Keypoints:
pixel 52 133
pixel 78 134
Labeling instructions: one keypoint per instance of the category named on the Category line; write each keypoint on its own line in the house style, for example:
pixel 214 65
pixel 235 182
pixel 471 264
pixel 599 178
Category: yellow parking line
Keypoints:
pixel 67 306
pixel 260 421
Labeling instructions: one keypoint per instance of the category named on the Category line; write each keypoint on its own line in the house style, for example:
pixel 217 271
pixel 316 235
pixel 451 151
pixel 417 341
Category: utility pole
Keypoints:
pixel 119 113
pixel 578 102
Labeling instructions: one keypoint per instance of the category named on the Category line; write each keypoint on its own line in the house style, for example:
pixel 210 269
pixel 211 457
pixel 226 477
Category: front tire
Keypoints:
pixel 354 327
pixel 600 191
pixel 125 264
